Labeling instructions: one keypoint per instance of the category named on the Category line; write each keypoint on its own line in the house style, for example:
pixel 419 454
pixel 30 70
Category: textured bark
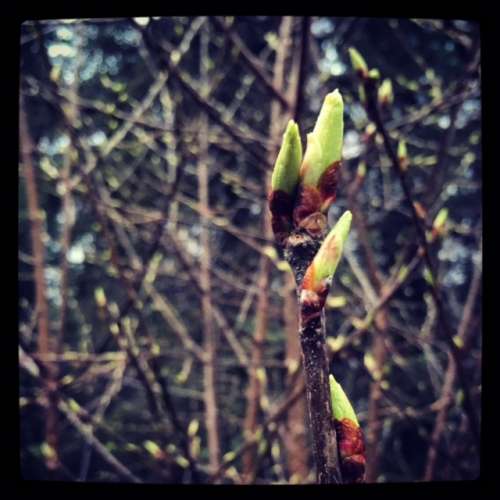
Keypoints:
pixel 41 304
pixel 299 252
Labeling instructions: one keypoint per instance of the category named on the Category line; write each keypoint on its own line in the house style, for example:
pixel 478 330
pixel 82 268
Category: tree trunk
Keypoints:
pixel 42 308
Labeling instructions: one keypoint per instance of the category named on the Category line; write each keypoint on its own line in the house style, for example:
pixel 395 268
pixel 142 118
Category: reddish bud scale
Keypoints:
pixel 351 450
pixel 281 207
pixel 308 202
pixel 315 224
pixel 328 185
pixel 312 303
pixel 312 297
pixel 362 73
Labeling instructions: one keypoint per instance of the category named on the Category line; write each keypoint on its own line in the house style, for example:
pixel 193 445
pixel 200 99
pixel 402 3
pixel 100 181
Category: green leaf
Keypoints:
pixel 286 169
pixel 341 405
pixel 324 144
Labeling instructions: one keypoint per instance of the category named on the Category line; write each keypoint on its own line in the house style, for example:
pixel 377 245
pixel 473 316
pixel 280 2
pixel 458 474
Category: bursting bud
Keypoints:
pixel 350 438
pixel 358 63
pixel 319 169
pixel 324 143
pixel 286 169
pixel 403 155
pixel 385 95
pixel 325 262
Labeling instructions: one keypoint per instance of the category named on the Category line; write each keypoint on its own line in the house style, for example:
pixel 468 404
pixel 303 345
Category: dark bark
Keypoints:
pixel 299 252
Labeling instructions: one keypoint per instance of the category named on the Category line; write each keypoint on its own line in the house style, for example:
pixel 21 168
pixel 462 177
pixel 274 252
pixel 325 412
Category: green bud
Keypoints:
pixel 183 462
pixel 326 260
pixel 100 297
pixel 47 451
pixel 229 456
pixel 403 273
pixel 440 219
pixel 324 143
pixel 341 405
pixel 286 169
pixel 385 95
pixel 152 448
pixel 361 169
pixel 403 154
pixel 374 74
pixel 74 406
pixel 429 278
pixel 193 427
pixel 357 61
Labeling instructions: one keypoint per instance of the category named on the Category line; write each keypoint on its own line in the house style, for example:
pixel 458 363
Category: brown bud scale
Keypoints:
pixel 308 202
pixel 328 185
pixel 312 301
pixel 281 207
pixel 351 446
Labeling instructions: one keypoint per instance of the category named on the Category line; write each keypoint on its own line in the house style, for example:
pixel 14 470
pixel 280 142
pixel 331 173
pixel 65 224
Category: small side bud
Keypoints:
pixel 286 169
pixel 325 262
pixel 358 63
pixel 403 155
pixel 100 297
pixel 154 450
pixel 385 94
pixel 350 437
pixel 341 406
pixel 370 132
pixel 440 221
pixel 374 74
pixel 361 171
pixel 193 428
pixel 438 226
